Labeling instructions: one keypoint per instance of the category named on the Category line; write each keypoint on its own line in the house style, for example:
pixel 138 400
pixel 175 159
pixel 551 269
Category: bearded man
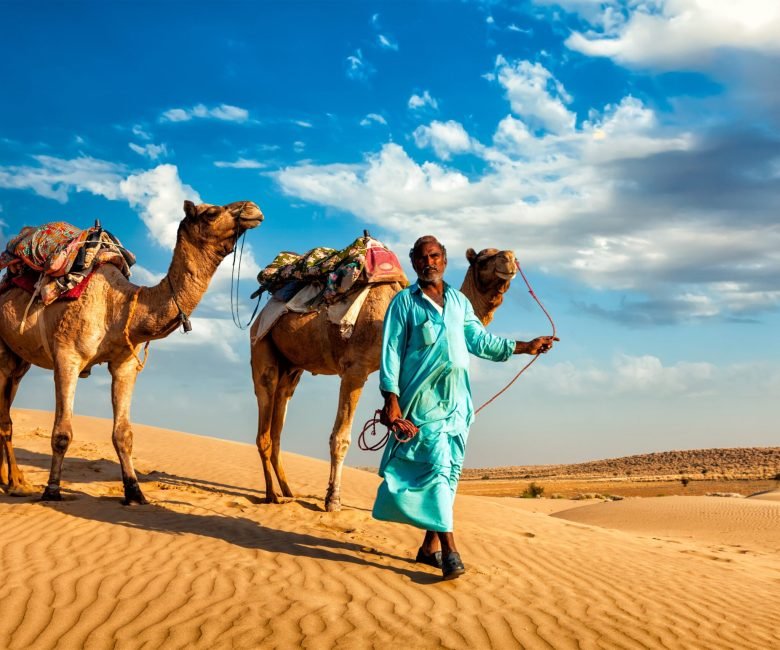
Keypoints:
pixel 429 330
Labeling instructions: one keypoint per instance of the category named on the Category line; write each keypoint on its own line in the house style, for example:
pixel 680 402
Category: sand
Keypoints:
pixel 208 566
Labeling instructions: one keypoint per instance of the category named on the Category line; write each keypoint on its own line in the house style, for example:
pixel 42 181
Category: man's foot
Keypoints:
pixel 452 566
pixel 431 559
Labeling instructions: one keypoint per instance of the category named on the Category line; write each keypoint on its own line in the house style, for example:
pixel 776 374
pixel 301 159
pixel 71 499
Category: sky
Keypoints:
pixel 627 151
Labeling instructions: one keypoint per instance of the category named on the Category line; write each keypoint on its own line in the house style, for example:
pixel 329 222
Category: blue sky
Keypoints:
pixel 628 152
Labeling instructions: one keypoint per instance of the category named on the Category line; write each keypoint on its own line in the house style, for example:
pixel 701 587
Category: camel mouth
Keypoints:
pixel 504 275
pixel 247 223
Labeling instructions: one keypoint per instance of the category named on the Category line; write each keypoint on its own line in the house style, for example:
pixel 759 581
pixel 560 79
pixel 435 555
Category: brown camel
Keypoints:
pixel 299 342
pixel 107 324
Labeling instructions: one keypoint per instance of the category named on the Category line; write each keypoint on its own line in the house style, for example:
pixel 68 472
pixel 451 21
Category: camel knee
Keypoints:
pixel 339 446
pixel 60 442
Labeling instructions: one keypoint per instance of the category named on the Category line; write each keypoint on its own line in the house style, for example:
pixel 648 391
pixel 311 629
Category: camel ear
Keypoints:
pixel 471 255
pixel 189 208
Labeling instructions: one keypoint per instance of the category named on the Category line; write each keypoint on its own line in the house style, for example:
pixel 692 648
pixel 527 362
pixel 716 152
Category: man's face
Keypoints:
pixel 429 264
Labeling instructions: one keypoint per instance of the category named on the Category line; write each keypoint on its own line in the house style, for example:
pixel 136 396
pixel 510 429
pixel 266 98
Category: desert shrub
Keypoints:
pixel 533 491
pixel 486 477
pixel 685 480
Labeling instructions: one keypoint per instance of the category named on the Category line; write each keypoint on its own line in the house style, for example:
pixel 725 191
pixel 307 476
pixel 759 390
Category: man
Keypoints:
pixel 429 330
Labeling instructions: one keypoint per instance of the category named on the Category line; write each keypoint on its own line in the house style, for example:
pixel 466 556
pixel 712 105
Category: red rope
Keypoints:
pixel 370 428
pixel 531 362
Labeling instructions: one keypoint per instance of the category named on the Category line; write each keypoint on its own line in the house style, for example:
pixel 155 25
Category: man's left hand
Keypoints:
pixel 539 345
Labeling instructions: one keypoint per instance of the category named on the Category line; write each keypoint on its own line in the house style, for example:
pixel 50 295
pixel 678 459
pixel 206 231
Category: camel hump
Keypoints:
pixel 336 272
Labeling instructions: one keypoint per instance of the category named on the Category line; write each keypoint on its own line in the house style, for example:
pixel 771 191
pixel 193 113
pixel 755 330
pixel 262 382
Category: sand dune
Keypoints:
pixel 207 566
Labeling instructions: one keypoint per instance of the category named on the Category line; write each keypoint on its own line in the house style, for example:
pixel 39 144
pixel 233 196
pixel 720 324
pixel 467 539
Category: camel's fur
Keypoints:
pixel 299 342
pixel 91 330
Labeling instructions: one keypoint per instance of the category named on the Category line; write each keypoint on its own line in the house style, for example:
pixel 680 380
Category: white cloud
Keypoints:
pixel 676 33
pixel 151 151
pixel 417 102
pixel 241 163
pixel 535 95
pixel 445 138
pixel 386 43
pixel 223 112
pixel 628 374
pixel 158 195
pixel 218 333
pixel 54 178
pixel 373 118
pixel 140 132
pixel 358 68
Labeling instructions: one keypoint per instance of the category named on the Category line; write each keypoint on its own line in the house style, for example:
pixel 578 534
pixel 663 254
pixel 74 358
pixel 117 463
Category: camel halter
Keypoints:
pixel 369 428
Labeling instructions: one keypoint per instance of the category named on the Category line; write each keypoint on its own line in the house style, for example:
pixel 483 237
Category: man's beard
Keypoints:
pixel 430 275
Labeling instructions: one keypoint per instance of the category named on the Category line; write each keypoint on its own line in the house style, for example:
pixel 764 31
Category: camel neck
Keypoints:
pixel 180 291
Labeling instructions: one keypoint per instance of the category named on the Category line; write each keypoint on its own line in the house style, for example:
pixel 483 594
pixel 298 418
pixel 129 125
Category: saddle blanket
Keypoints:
pixel 343 313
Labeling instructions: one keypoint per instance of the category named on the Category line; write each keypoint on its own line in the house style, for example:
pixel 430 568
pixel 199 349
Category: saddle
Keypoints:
pixel 335 272
pixel 53 260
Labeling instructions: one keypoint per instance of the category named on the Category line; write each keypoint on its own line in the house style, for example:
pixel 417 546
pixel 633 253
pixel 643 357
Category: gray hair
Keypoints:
pixel 426 239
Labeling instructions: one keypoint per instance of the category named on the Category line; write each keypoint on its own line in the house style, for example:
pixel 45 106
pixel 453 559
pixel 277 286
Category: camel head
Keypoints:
pixel 218 227
pixel 492 270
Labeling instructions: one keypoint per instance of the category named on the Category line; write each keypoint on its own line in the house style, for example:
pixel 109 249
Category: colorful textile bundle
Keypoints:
pixel 60 256
pixel 364 261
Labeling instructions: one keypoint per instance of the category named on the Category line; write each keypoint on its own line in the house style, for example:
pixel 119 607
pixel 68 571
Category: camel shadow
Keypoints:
pixel 235 530
pixel 78 470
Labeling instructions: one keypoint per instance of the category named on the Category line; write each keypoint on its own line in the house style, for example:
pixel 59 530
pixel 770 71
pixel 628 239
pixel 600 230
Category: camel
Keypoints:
pixel 107 324
pixel 299 342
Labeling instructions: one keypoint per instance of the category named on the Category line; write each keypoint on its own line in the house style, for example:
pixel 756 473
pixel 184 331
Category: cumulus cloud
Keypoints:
pixel 686 226
pixel 675 33
pixel 417 102
pixel 223 112
pixel 445 138
pixel 151 151
pixel 535 95
pixel 158 195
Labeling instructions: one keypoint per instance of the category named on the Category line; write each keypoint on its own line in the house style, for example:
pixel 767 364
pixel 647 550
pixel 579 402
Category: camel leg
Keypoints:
pixel 265 376
pixel 12 369
pixel 349 394
pixel 66 374
pixel 123 376
pixel 284 392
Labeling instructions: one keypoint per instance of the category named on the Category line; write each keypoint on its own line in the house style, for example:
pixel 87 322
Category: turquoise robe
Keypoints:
pixel 425 361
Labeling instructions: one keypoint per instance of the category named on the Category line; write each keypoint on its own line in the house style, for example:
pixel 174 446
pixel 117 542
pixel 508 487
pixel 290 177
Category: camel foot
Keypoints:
pixel 271 498
pixel 51 493
pixel 133 495
pixel 21 490
pixel 332 505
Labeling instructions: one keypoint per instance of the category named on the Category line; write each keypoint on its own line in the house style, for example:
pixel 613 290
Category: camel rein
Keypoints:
pixel 369 428
pixel 235 280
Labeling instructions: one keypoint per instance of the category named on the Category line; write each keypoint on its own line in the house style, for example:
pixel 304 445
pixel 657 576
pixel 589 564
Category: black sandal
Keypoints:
pixel 432 559
pixel 452 566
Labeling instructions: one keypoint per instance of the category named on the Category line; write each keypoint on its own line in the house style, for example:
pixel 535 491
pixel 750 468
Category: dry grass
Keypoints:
pixel 744 470
pixel 756 463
